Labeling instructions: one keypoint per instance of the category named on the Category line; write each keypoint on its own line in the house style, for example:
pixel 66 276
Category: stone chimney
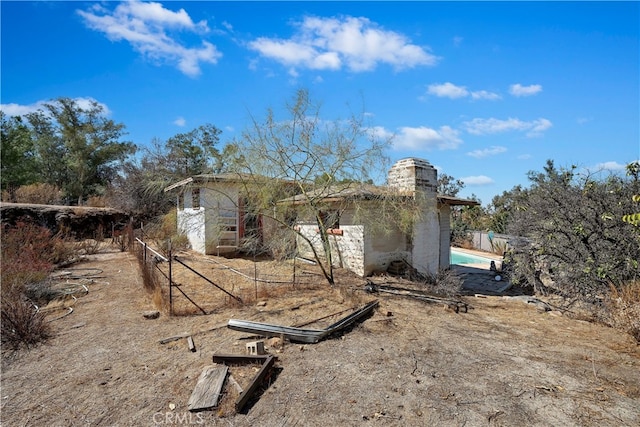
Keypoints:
pixel 419 178
pixel 413 175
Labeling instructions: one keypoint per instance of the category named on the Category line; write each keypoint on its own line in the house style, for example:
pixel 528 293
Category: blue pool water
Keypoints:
pixel 464 258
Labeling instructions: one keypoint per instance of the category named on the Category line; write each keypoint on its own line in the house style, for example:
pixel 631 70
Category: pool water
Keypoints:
pixel 464 258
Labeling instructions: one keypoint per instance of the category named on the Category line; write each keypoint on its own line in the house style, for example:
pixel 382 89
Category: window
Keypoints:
pixel 195 198
pixel 331 222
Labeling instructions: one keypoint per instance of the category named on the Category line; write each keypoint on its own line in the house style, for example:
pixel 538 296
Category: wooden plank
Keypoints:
pixel 208 388
pixel 192 345
pixel 240 358
pixel 257 380
pixel 174 338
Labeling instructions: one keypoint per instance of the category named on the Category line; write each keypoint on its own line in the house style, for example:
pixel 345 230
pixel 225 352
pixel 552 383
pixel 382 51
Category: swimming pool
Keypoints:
pixel 463 258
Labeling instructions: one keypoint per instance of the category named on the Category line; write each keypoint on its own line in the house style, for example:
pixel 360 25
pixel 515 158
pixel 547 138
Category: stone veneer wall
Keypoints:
pixel 420 178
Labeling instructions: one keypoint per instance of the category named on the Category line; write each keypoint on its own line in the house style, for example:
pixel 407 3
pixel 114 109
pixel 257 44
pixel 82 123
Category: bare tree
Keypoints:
pixel 325 164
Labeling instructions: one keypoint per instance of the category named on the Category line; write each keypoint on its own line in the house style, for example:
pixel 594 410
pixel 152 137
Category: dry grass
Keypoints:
pixel 40 193
pixel 623 307
pixel 411 363
pixel 22 324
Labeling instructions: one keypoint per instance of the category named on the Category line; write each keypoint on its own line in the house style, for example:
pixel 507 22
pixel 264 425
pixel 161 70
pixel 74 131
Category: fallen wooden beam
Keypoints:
pixel 257 380
pixel 208 388
pixel 240 358
pixel 174 338
pixel 266 360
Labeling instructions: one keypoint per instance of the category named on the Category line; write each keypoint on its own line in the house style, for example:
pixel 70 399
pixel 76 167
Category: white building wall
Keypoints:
pixel 358 248
pixel 191 222
pixel 382 249
pixel 347 250
pixel 200 225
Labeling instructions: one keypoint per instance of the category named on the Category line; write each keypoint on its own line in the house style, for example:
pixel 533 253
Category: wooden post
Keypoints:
pixel 255 275
pixel 294 269
pixel 170 281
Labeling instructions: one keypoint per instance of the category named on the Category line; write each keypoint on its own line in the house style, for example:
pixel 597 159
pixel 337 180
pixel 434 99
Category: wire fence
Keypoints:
pixel 192 284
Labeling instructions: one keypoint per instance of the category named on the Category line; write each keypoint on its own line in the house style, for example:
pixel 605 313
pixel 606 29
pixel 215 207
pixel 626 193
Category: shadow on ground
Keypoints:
pixel 477 280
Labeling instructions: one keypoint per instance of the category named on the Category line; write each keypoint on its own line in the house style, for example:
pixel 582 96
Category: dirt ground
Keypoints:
pixel 504 362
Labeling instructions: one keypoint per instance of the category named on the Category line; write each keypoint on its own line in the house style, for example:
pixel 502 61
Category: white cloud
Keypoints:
pixel 424 138
pixel 524 156
pixel 483 94
pixel 333 43
pixel 380 132
pixel 491 126
pixel 583 120
pixel 457 41
pixel 477 180
pixel 448 90
pixel 610 166
pixel 519 90
pixel 146 25
pixel 180 121
pixel 22 110
pixel 492 151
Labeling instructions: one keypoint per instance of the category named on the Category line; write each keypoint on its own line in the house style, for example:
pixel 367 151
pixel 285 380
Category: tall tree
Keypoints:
pixel 195 152
pixel 140 188
pixel 19 160
pixel 81 149
pixel 448 185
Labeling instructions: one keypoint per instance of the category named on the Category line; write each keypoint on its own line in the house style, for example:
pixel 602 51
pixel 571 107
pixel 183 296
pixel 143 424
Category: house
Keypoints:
pixel 360 243
pixel 211 212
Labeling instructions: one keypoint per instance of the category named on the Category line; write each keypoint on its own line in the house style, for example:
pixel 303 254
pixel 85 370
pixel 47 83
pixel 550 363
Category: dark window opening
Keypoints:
pixel 195 198
pixel 330 220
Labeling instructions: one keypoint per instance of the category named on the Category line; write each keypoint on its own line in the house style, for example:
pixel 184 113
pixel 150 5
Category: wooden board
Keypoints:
pixel 255 383
pixel 208 388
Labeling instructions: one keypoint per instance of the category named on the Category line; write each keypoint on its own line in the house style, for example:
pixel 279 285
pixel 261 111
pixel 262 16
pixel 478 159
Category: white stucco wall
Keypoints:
pixel 191 223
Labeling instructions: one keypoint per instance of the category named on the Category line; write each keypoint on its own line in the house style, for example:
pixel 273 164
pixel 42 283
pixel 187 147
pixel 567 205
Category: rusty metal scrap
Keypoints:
pixel 309 336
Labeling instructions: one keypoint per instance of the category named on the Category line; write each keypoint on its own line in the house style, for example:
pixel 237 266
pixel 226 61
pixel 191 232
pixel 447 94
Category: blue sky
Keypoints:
pixel 485 91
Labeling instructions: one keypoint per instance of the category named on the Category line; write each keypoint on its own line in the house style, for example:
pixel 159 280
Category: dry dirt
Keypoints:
pixel 410 363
